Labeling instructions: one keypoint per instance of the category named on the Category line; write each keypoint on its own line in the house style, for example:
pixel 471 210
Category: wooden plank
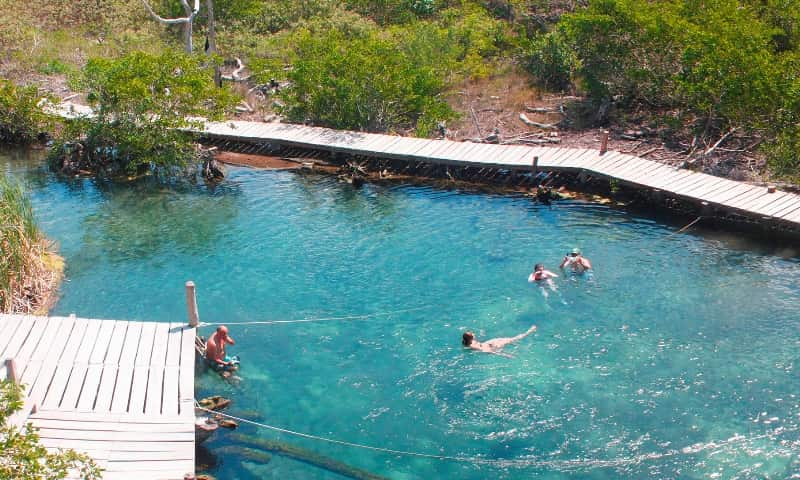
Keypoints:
pixel 138 388
pixel 719 190
pixel 116 435
pixel 105 391
pixel 743 200
pixel 74 386
pixel 131 346
pixel 160 342
pixel 59 382
pixel 652 176
pixel 34 363
pixel 122 388
pixel 782 204
pixel 91 384
pixel 31 341
pixel 16 341
pixel 186 372
pixel 114 418
pixel 146 340
pixel 770 200
pixel 155 389
pixel 465 153
pixel 725 195
pixel 8 325
pixel 116 343
pixel 174 344
pixel 697 189
pixel 170 400
pixel 178 448
pixel 552 158
pixel 577 159
pixel 88 341
pixel 51 360
pixel 789 212
pixel 143 470
pixel 87 423
pixel 101 345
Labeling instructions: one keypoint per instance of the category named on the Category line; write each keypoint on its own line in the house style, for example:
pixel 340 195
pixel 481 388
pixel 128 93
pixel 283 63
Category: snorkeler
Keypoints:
pixel 215 352
pixel 494 345
pixel 577 262
pixel 539 274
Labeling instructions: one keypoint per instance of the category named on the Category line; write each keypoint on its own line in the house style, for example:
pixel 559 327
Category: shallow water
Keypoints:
pixel 678 358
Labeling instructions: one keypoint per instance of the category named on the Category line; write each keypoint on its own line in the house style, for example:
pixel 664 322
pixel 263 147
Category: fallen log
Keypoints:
pixel 305 456
pixel 544 126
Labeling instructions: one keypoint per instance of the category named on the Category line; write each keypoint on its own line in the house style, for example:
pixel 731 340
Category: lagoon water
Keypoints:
pixel 678 358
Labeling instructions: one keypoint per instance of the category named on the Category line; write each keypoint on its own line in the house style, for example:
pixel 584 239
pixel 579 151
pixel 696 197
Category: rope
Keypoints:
pixel 688 226
pixel 342 442
pixel 320 319
pixel 532 461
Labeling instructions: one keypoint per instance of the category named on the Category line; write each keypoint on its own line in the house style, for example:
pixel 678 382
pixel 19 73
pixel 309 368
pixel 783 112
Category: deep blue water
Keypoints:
pixel 678 358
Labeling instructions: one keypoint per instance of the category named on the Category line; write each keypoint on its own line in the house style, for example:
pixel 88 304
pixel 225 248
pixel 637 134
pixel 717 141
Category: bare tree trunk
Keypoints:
pixel 188 20
pixel 212 32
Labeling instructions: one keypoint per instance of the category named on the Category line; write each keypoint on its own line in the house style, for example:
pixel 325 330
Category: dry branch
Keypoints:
pixel 544 126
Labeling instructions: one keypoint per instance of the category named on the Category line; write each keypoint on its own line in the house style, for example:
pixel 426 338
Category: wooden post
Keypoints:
pixel 771 189
pixel 191 304
pixel 604 142
pixel 535 165
pixel 11 370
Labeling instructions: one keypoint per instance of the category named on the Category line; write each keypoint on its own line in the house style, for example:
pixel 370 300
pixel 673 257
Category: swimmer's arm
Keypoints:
pixel 587 264
pixel 563 262
pixel 501 354
pixel 531 279
pixel 551 273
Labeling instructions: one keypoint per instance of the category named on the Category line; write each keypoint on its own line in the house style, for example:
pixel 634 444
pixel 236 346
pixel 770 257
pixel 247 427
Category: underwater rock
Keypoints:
pixel 305 456
pixel 216 402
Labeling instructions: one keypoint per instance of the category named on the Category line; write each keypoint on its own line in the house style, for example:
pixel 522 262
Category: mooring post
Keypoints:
pixel 11 371
pixel 191 304
pixel 535 165
pixel 604 142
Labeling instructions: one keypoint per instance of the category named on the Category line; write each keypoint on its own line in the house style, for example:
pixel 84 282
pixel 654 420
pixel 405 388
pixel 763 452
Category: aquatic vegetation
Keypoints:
pixel 28 271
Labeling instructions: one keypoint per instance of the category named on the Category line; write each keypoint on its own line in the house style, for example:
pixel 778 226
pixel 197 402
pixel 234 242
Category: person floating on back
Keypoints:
pixel 577 262
pixel 215 352
pixel 494 345
pixel 540 274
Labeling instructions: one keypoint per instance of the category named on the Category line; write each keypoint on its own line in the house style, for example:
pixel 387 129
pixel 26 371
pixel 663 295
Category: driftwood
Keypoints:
pixel 305 456
pixel 544 126
pixel 234 76
pixel 475 119
pixel 188 20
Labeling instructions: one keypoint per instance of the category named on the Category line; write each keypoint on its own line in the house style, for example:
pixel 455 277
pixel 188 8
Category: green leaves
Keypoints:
pixel 142 103
pixel 21 456
pixel 21 118
pixel 364 82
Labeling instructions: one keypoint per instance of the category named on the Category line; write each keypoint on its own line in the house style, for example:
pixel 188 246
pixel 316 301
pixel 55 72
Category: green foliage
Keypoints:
pixel 142 102
pixel 21 456
pixel 551 61
pixel 21 118
pixel 364 81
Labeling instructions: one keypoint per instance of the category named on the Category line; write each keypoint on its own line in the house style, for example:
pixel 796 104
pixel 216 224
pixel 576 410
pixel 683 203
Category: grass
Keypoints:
pixel 28 272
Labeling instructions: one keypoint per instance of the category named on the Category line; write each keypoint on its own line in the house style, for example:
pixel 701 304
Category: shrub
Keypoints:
pixel 143 106
pixel 551 61
pixel 21 118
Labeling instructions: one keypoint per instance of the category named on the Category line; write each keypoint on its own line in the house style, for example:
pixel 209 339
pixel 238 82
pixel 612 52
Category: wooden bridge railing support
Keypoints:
pixel 191 304
pixel 604 142
pixel 11 370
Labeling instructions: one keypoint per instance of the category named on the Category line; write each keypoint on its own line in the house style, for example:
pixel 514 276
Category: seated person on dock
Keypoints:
pixel 215 350
pixel 540 274
pixel 577 262
pixel 494 345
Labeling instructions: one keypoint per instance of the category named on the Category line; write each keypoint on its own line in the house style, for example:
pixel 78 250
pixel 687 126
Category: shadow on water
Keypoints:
pixel 149 218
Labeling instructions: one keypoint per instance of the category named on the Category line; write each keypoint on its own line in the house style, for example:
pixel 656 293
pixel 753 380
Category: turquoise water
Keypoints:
pixel 678 358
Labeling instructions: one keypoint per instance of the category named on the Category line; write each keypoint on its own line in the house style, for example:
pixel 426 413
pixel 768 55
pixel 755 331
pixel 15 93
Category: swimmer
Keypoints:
pixel 540 274
pixel 577 262
pixel 494 345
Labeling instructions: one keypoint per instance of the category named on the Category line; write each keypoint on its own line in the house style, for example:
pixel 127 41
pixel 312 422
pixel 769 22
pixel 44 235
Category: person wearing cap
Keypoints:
pixel 215 350
pixel 577 262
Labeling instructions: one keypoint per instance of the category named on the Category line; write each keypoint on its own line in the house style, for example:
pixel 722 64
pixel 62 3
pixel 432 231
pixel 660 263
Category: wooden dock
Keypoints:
pixel 119 391
pixel 757 203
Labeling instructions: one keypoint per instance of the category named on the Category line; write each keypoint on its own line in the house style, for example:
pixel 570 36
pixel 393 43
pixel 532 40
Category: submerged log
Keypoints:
pixel 305 456
pixel 249 454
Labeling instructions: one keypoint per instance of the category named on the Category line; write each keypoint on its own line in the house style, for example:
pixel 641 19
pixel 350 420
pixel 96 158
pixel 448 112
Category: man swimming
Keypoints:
pixel 577 262
pixel 494 345
pixel 539 274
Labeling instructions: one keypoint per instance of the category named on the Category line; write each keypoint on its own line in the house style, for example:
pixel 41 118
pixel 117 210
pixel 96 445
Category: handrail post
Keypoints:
pixel 535 164
pixel 604 142
pixel 11 370
pixel 191 304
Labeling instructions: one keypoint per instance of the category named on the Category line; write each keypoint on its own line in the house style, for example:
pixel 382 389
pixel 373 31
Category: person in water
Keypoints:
pixel 577 262
pixel 215 350
pixel 540 274
pixel 494 345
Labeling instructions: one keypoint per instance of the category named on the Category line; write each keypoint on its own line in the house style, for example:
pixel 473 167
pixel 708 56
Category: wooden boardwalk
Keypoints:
pixel 122 392
pixel 755 202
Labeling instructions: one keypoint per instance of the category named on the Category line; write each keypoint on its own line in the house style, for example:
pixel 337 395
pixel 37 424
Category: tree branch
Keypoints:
pixel 167 21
